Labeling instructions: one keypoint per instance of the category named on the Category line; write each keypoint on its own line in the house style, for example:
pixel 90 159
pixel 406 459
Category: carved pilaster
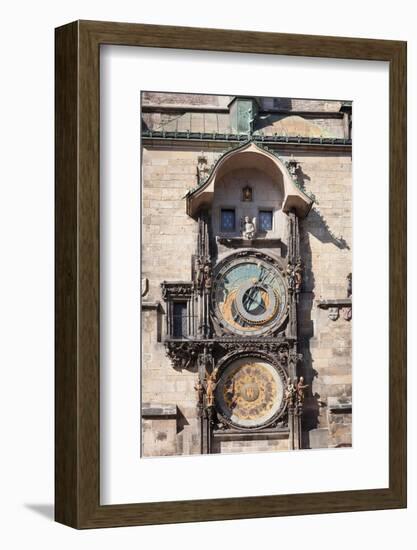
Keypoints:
pixel 294 271
pixel 202 276
pixel 294 238
pixel 294 396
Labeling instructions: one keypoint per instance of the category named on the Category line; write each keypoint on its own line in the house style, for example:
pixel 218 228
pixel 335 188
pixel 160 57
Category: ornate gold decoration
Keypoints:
pixel 227 313
pixel 250 392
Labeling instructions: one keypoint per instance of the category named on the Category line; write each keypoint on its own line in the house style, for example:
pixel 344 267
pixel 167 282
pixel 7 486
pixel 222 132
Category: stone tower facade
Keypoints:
pixel 246 274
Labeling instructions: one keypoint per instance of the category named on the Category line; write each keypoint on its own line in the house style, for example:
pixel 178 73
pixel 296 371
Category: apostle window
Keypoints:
pixel 265 220
pixel 228 220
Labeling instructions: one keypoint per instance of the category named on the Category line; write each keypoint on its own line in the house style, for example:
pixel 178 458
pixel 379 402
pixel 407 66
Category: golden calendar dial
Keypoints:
pixel 250 392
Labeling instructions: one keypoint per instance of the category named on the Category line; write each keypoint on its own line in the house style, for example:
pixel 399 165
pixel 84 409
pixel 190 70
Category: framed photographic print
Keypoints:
pixel 222 199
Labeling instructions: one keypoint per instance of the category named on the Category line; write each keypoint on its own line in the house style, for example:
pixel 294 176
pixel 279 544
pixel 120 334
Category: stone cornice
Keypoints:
pixel 234 139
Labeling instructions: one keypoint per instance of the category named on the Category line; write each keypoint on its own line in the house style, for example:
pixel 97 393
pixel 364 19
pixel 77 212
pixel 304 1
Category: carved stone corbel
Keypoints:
pixel 183 355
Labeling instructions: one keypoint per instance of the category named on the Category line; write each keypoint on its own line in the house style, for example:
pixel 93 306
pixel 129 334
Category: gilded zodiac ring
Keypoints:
pixel 250 392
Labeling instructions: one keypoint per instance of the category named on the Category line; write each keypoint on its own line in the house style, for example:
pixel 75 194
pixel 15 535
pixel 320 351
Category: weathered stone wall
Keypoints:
pixel 257 446
pixel 326 246
pixel 168 241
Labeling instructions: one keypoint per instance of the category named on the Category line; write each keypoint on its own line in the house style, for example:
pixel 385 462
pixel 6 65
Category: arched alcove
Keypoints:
pixel 265 204
pixel 246 158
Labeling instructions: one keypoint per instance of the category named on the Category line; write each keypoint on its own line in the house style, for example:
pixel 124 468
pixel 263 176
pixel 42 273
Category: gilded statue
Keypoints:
pixel 300 389
pixel 211 385
pixel 290 392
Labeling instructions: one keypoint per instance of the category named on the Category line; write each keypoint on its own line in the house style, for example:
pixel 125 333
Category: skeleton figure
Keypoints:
pixel 248 227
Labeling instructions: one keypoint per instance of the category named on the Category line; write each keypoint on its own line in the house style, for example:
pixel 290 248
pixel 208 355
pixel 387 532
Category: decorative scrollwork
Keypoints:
pixel 181 289
pixel 267 345
pixel 283 354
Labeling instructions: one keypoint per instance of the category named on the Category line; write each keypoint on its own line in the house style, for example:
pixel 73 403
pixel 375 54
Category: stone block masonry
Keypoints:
pixel 169 239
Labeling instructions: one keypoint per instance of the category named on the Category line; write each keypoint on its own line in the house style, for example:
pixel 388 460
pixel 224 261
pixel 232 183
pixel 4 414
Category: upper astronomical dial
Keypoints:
pixel 249 296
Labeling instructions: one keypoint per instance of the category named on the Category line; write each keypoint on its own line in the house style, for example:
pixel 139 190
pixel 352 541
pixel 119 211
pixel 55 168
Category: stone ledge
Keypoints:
pixel 151 305
pixel 335 405
pixel 236 435
pixel 342 302
pixel 336 307
pixel 239 242
pixel 159 410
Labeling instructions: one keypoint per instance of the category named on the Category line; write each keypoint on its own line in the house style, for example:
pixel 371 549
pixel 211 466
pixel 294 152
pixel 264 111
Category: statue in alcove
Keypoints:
pixel 248 228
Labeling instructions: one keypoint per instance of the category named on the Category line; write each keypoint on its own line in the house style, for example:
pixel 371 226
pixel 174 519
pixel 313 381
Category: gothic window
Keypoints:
pixel 228 219
pixel 179 316
pixel 179 319
pixel 265 220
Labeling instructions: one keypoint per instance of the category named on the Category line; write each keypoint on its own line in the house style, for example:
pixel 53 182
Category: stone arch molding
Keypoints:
pixel 250 155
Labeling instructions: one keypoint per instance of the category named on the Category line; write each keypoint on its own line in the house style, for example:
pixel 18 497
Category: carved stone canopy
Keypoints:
pixel 184 353
pixel 250 155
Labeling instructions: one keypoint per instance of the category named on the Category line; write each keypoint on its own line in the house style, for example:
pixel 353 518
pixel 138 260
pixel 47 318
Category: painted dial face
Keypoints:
pixel 250 392
pixel 249 296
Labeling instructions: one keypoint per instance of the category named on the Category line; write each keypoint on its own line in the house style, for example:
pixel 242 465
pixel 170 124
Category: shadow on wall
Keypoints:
pixel 306 332
pixel 181 421
pixel 316 225
pixel 318 228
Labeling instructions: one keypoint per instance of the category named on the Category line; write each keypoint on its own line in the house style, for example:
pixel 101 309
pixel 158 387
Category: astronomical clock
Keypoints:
pixel 249 295
pixel 234 323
